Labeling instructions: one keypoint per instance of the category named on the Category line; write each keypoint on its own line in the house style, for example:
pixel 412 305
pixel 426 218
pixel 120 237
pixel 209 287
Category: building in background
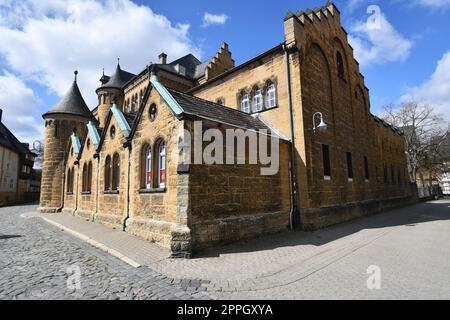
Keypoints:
pixel 19 183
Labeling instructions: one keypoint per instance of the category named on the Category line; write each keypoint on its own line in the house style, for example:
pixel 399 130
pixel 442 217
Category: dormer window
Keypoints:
pixel 180 69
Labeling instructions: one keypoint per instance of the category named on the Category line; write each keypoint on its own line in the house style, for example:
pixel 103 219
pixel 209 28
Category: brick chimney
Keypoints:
pixel 163 58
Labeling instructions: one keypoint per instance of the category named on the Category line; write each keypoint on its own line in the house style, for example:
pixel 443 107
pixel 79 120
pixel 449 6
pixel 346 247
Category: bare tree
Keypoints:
pixel 424 134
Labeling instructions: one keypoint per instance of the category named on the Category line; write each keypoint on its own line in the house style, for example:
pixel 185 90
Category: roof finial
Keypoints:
pixel 103 71
pixel 75 73
pixel 118 62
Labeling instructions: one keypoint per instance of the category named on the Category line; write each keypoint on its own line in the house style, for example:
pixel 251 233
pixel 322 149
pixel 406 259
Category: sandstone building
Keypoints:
pixel 115 164
pixel 18 180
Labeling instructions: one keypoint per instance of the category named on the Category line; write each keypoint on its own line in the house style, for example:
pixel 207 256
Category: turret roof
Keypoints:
pixel 72 103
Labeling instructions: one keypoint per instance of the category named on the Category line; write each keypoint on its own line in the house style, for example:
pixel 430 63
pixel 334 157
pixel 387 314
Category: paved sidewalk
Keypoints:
pixel 408 244
pixel 138 250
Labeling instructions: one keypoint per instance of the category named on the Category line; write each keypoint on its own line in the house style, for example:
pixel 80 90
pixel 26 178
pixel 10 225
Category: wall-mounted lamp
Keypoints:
pixel 322 126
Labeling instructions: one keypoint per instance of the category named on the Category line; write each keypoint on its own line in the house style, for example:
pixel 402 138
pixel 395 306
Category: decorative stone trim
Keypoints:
pixel 152 190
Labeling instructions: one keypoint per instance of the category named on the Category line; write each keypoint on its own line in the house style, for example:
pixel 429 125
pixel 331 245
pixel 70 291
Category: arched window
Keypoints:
pixel 245 103
pixel 84 184
pixel 258 101
pixel 108 173
pixel 116 172
pixel 340 65
pixel 141 96
pixel 271 96
pixel 68 180
pixel 113 132
pixel 161 164
pixel 146 167
pixel 89 177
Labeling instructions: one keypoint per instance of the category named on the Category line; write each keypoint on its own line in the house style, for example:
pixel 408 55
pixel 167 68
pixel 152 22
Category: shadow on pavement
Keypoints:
pixel 409 216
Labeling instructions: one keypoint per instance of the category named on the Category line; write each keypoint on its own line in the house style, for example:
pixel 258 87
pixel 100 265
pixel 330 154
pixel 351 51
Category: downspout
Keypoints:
pixel 294 214
pixel 76 194
pixel 128 189
pixel 96 187
pixel 62 184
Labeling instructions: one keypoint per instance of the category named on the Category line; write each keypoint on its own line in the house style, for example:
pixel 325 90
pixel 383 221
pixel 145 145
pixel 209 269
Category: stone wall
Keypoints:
pixel 153 212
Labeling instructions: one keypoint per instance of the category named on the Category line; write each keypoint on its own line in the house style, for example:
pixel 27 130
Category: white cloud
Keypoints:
pixel 436 90
pixel 433 3
pixel 20 105
pixel 46 40
pixel 210 19
pixel 377 42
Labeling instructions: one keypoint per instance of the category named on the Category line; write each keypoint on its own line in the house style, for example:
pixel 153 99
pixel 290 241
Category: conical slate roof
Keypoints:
pixel 118 79
pixel 72 103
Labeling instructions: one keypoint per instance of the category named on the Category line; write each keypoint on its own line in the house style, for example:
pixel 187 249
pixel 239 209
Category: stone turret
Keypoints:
pixel 69 116
pixel 111 91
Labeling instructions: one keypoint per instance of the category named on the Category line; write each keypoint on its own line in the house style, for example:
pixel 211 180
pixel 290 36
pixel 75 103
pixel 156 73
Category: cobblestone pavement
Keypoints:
pixel 38 261
pixel 409 245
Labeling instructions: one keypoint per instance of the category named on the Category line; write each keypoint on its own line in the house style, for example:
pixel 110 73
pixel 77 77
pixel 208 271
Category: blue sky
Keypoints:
pixel 44 41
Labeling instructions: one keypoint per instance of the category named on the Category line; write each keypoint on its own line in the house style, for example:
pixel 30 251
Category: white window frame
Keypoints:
pixel 148 167
pixel 245 103
pixel 162 164
pixel 271 96
pixel 258 101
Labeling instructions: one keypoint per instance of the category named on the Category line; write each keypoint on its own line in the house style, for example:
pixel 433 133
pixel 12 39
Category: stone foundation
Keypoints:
pixel 218 232
pixel 318 218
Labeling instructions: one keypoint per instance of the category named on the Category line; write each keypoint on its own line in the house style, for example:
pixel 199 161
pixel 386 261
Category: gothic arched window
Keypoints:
pixel 245 103
pixel 116 172
pixel 161 164
pixel 271 96
pixel 146 167
pixel 108 173
pixel 258 101
pixel 340 65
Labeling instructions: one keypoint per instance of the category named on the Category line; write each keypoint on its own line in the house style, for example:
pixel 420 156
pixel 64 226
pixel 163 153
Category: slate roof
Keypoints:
pixel 118 79
pixel 8 140
pixel 205 109
pixel 72 103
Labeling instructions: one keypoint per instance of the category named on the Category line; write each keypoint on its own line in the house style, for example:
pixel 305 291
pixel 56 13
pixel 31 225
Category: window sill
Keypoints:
pixel 111 192
pixel 152 191
pixel 327 178
pixel 350 179
pixel 69 193
pixel 86 193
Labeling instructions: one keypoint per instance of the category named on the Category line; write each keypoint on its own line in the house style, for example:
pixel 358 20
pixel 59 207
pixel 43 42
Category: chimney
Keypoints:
pixel 1 113
pixel 163 58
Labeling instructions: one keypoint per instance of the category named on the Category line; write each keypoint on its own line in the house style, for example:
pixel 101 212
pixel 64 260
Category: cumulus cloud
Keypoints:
pixel 211 19
pixel 44 41
pixel 20 105
pixel 378 42
pixel 435 90
pixel 433 3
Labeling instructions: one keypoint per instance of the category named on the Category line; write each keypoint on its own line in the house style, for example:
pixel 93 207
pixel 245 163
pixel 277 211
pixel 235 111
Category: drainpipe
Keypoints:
pixel 76 194
pixel 294 214
pixel 96 188
pixel 128 189
pixel 62 184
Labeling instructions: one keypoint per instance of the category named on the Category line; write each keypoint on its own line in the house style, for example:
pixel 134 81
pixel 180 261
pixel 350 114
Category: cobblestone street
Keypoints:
pixel 408 245
pixel 36 261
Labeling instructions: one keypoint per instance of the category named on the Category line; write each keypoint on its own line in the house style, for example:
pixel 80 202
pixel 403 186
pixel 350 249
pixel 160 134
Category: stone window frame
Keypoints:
pixel 115 173
pixel 257 91
pixel 155 187
pixel 242 93
pixel 70 180
pixel 86 186
pixel 112 132
pixel 153 106
pixel 349 162
pixel 107 174
pixel 270 82
pixel 146 167
pixel 340 67
pixel 159 164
